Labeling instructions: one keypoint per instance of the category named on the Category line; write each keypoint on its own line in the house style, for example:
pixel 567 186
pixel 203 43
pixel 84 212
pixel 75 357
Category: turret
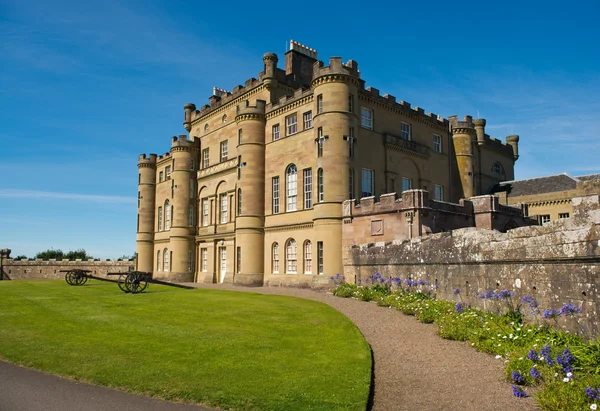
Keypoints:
pixel 332 123
pixel 480 130
pixel 185 154
pixel 250 194
pixel 463 134
pixel 188 110
pixel 270 60
pixel 146 207
pixel 513 141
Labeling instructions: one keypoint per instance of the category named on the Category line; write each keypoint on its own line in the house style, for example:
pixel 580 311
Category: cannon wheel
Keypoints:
pixel 136 282
pixel 122 281
pixel 69 277
pixel 80 277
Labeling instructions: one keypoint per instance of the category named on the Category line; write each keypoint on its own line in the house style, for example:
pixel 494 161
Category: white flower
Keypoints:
pixel 556 374
pixel 593 407
pixel 569 374
pixel 520 358
pixel 498 357
pixel 542 359
pixel 566 379
pixel 509 335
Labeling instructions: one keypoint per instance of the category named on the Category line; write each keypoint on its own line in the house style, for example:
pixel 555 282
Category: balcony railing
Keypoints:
pixel 407 145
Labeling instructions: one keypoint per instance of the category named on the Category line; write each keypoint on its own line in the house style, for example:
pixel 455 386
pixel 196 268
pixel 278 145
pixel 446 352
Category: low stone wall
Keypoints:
pixel 50 269
pixel 556 263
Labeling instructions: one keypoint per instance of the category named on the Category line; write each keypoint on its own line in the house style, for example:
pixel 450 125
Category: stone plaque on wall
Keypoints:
pixel 376 227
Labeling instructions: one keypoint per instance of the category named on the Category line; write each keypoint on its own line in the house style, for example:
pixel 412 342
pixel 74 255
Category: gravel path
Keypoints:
pixel 415 369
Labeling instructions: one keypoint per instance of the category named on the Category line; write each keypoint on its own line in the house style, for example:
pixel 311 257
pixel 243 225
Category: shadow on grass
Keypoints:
pixel 372 385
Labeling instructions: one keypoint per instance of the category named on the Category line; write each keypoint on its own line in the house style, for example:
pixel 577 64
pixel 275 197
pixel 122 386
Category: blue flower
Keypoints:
pixel 459 307
pixel 517 377
pixel 535 373
pixel 592 394
pixel 488 295
pixel 569 309
pixel 519 393
pixel 547 354
pixel 549 314
pixel 456 291
pixel 503 294
pixel 532 355
pixel 565 360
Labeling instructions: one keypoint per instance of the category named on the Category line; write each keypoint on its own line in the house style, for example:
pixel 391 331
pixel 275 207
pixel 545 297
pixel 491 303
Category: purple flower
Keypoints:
pixel 569 309
pixel 456 291
pixel 549 314
pixel 532 355
pixel 535 373
pixel 530 300
pixel 421 282
pixel 410 282
pixel 592 394
pixel 547 354
pixel 459 307
pixel 566 360
pixel 503 294
pixel 519 393
pixel 517 377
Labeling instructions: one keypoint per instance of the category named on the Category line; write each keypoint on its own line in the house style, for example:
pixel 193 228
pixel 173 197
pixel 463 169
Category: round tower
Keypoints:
pixel 269 79
pixel 463 134
pixel 145 224
pixel 188 110
pixel 181 237
pixel 332 121
pixel 250 195
pixel 479 124
pixel 513 141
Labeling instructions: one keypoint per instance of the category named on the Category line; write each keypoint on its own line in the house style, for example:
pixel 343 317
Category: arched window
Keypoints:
pixel 166 260
pixel 497 168
pixel 167 215
pixel 307 257
pixel 291 257
pixel 160 218
pixel 321 184
pixel 292 187
pixel 239 204
pixel 224 118
pixel 275 258
pixel 158 260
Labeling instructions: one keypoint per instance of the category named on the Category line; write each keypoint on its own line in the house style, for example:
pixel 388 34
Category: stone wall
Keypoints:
pixel 50 269
pixel 556 263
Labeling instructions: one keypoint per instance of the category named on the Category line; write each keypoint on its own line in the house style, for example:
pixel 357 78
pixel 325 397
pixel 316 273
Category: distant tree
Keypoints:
pixel 59 255
pixel 78 254
pixel 126 257
pixel 21 257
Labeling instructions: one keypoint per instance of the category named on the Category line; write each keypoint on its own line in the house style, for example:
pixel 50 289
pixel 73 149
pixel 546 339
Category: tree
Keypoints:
pixel 21 257
pixel 59 254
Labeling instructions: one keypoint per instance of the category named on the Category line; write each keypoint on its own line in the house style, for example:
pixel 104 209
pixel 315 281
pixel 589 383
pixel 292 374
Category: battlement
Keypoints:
pixel 301 48
pixel 456 123
pixel 165 156
pixel 335 67
pixel 289 98
pixel 147 161
pixel 182 141
pixel 246 108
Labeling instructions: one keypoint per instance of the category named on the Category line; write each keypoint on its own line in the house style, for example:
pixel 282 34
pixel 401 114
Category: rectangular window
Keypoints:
pixel 366 118
pixel 366 183
pixel 239 136
pixel 437 143
pixel 351 142
pixel 205 163
pixel 275 132
pixel 308 257
pixel 308 188
pixel 319 103
pixel 291 257
pixel 307 120
pixel 406 184
pixel 544 218
pixel 405 131
pixel 224 216
pixel 563 215
pixel 291 125
pixel 275 258
pixel 204 257
pixel 292 188
pixel 160 216
pixel 320 142
pixel 192 188
pixel 239 202
pixel 320 257
pixel 205 212
pixel 351 184
pixel 438 193
pixel 276 195
pixel 161 177
pixel 321 185
pixel 351 103
pixel 224 151
pixel 168 172
pixel 239 259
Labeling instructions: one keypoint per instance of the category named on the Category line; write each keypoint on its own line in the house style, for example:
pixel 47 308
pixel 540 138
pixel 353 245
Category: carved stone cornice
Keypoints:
pixel 227 105
pixel 335 78
pixel 291 106
pixel 289 227
pixel 217 168
pixel 249 116
pixel 464 130
pixel 181 148
pixel 147 165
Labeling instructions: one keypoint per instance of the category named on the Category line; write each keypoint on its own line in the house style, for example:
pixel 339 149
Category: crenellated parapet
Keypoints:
pixel 181 143
pixel 336 72
pixel 465 126
pixel 147 161
pixel 247 112
pixel 289 102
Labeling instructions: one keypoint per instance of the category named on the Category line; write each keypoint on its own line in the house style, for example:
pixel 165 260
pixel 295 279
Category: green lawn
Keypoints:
pixel 219 348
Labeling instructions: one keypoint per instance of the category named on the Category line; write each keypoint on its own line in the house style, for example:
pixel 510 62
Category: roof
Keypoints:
pixel 538 185
pixel 588 177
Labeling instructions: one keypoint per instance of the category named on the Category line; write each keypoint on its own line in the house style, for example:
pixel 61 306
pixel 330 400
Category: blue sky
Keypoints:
pixel 85 87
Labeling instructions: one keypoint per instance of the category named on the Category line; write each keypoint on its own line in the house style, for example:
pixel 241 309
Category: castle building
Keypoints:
pixel 254 196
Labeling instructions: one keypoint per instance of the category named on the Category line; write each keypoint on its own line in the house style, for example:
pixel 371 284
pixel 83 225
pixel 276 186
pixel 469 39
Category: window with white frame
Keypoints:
pixel 307 257
pixel 405 131
pixel 320 142
pixel 438 192
pixel 167 215
pixel 406 183
pixel 168 172
pixel 351 103
pixel 320 257
pixel 166 260
pixel 191 216
pixel 205 212
pixel 544 218
pixel 321 185
pixel 291 184
pixel 351 184
pixel 158 261
pixel 275 253
pixel 291 257
pixel 351 142
pixel 307 117
pixel 160 218
pixel 307 188
pixel 563 215
pixel 437 143
pixel 275 132
pixel 224 150
pixel 223 201
pixel 366 182
pixel 239 202
pixel 276 195
pixel 204 259
pixel 366 118
pixel 291 124
pixel 205 162
pixel 319 103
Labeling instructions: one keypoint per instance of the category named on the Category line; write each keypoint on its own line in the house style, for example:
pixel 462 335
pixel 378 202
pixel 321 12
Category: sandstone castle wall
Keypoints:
pixel 50 269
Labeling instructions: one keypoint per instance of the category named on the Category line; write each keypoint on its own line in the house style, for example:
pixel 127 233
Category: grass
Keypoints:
pixel 242 351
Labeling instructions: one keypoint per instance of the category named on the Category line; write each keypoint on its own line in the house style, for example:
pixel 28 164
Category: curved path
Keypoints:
pixel 414 368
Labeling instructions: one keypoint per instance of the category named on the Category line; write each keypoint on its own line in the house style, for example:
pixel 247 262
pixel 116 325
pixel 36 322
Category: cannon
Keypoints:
pixel 133 282
pixel 76 276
